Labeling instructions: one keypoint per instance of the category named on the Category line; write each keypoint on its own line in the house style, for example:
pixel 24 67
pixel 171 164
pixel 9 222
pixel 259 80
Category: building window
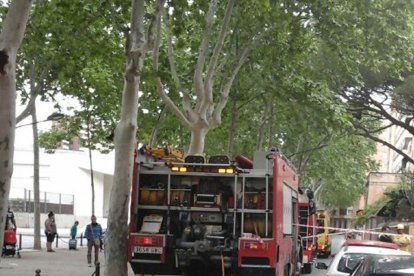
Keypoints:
pixel 407 143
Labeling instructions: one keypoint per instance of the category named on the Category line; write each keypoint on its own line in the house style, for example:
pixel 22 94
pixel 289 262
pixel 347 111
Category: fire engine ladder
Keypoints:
pixel 303 229
pixel 267 210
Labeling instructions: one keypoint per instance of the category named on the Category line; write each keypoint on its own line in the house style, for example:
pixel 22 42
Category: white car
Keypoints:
pixel 353 251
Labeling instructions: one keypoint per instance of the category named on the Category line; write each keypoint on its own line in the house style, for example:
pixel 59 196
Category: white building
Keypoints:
pixel 65 179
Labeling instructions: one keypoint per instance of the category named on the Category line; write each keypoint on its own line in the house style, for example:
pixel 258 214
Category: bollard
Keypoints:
pixel 81 239
pixel 20 241
pixel 38 272
pixel 98 269
pixel 57 238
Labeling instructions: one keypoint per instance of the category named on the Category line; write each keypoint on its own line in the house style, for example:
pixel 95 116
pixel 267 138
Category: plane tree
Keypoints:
pixel 11 36
pixel 69 59
pixel 207 68
pixel 375 82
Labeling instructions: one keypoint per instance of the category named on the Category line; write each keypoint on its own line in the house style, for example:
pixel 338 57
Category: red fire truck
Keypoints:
pixel 214 218
pixel 307 229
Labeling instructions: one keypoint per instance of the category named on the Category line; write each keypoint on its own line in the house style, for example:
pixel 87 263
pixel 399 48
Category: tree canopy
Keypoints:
pixel 312 78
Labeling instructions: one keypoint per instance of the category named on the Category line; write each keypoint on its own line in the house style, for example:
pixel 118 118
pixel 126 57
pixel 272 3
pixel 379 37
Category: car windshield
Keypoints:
pixel 349 261
pixel 395 265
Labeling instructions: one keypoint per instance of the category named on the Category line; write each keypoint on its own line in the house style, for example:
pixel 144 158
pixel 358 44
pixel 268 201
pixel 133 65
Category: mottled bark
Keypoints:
pixel 198 136
pixel 13 29
pixel 125 142
pixel 232 127
pixel 36 181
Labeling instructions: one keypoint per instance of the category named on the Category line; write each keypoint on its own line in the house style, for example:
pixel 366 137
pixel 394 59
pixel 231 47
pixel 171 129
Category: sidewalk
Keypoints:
pixel 63 262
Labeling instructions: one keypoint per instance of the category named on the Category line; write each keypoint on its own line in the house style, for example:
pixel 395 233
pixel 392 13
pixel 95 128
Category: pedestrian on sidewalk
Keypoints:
pixel 93 234
pixel 74 230
pixel 50 231
pixel 10 221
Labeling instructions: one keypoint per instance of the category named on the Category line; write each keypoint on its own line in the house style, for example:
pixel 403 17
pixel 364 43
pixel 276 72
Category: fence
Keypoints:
pixel 22 200
pixel 25 240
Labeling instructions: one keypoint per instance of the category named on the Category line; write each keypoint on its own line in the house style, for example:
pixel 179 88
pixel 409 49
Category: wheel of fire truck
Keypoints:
pixel 324 255
pixel 307 268
pixel 327 254
pixel 286 271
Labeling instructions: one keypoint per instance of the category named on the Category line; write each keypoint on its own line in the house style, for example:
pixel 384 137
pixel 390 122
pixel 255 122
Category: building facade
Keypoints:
pixel 64 185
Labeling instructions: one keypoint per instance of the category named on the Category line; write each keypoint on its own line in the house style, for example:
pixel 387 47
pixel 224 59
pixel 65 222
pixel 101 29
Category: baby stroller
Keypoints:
pixel 9 244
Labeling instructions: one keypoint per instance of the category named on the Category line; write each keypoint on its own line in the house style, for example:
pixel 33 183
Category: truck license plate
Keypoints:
pixel 148 250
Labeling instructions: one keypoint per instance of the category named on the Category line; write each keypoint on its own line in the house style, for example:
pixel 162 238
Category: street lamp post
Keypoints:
pixel 36 182
pixel 52 117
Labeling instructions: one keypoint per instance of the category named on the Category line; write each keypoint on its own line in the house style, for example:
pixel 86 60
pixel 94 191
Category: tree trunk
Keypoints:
pixel 232 127
pixel 271 130
pixel 125 141
pixel 91 167
pixel 36 181
pixel 13 29
pixel 155 129
pixel 261 130
pixel 198 136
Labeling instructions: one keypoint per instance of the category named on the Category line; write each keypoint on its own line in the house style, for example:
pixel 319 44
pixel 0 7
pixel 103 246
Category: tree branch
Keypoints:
pixel 160 87
pixel 376 139
pixel 224 93
pixel 208 83
pixel 154 24
pixel 392 119
pixel 137 41
pixel 186 98
pixel 14 25
pixel 198 73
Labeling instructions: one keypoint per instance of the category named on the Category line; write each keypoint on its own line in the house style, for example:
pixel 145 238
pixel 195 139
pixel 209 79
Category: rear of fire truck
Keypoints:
pixel 323 248
pixel 213 218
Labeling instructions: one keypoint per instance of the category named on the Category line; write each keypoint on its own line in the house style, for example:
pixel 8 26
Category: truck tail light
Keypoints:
pixel 149 241
pixel 255 245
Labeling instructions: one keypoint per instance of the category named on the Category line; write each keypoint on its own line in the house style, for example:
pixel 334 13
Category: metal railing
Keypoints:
pixel 22 200
pixel 23 242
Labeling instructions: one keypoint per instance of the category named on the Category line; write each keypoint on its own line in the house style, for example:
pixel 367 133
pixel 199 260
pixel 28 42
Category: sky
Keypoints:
pixel 24 134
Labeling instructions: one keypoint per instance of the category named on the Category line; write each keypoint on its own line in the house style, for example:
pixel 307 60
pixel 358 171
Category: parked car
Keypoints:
pixel 353 251
pixel 385 265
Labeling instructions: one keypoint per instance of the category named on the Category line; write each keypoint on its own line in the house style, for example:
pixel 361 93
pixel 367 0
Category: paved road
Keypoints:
pixel 337 241
pixel 319 272
pixel 63 262
pixel 66 262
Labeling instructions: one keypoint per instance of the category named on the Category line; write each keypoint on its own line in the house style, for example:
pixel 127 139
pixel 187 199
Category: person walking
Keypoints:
pixel 10 221
pixel 50 231
pixel 93 234
pixel 402 239
pixel 384 237
pixel 74 230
